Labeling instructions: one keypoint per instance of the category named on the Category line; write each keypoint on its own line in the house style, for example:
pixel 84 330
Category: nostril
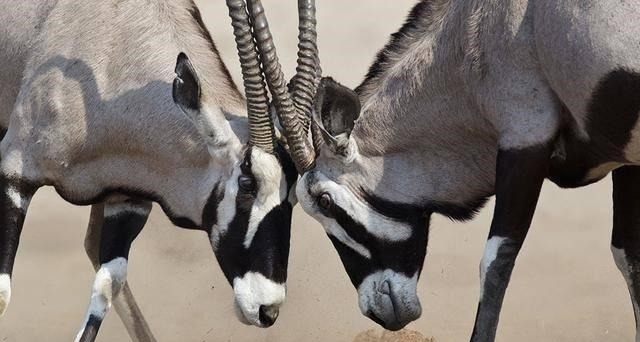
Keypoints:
pixel 268 314
pixel 385 288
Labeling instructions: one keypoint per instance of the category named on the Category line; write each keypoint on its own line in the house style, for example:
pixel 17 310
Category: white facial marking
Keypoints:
pixel 5 292
pixel 620 257
pixel 490 254
pixel 108 281
pixel 404 290
pixel 272 189
pixel 115 209
pixel 253 290
pixel 18 200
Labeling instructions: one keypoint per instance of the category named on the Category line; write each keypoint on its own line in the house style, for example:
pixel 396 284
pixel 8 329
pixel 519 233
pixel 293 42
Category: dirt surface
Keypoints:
pixel 565 286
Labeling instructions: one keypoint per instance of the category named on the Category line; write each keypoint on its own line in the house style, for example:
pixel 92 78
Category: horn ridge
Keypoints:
pixel 261 131
pixel 305 82
pixel 300 149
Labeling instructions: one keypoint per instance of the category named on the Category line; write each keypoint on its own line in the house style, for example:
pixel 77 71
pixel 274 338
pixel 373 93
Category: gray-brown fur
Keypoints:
pixel 86 100
pixel 471 99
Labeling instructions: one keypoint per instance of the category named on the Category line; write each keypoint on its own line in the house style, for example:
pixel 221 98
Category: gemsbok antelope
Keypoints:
pixel 471 99
pixel 86 107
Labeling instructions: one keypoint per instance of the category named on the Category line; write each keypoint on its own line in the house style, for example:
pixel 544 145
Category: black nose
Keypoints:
pixel 268 314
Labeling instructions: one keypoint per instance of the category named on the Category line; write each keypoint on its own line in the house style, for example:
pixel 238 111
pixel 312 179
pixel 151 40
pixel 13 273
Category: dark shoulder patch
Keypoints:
pixel 614 109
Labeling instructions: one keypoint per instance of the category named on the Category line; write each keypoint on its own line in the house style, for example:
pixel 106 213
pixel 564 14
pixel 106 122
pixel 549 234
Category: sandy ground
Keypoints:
pixel 565 286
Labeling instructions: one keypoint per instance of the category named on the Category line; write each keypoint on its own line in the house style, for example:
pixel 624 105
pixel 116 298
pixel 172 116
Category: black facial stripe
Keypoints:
pixel 210 211
pixel 269 250
pixel 402 256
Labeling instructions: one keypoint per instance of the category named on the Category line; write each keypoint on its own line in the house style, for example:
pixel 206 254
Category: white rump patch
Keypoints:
pixel 5 292
pixel 490 254
pixel 253 290
pixel 18 200
pixel 272 189
pixel 108 281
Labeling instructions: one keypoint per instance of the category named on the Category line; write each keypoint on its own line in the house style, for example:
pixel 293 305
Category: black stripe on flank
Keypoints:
pixel 175 218
pixel 410 212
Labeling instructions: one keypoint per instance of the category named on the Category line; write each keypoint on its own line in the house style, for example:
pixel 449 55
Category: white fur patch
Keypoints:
pixel 115 209
pixel 272 189
pixel 490 254
pixel 108 281
pixel 404 286
pixel 18 200
pixel 253 290
pixel 5 292
pixel 381 227
pixel 620 257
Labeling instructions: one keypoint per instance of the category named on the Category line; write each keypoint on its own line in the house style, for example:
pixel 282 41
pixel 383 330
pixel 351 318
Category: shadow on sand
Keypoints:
pixel 404 335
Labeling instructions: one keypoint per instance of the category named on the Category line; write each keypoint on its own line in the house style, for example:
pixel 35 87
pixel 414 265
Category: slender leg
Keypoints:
pixel 122 223
pixel 519 177
pixel 14 201
pixel 625 242
pixel 124 303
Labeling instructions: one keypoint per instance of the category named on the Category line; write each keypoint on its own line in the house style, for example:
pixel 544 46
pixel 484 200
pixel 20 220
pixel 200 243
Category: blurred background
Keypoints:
pixel 565 286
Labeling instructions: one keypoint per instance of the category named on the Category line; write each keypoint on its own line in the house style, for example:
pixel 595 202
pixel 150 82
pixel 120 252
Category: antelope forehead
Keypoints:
pixel 267 170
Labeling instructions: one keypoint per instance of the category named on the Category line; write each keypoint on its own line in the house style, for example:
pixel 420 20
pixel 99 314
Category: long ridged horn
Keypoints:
pixel 305 82
pixel 260 122
pixel 299 146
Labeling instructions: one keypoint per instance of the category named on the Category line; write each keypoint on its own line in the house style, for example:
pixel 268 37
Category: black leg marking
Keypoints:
pixel 625 242
pixel 91 329
pixel 14 200
pixel 519 177
pixel 122 223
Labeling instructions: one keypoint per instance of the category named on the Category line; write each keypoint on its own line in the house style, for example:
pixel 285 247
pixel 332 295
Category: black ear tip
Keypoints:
pixel 186 86
pixel 328 81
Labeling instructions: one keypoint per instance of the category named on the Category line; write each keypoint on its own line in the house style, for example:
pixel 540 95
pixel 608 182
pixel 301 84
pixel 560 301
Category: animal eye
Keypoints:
pixel 325 202
pixel 247 183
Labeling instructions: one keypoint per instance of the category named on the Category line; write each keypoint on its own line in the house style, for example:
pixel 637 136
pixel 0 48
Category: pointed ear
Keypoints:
pixel 337 106
pixel 187 94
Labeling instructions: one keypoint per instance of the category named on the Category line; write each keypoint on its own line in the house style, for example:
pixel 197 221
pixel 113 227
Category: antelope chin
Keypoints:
pixel 257 299
pixel 389 299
